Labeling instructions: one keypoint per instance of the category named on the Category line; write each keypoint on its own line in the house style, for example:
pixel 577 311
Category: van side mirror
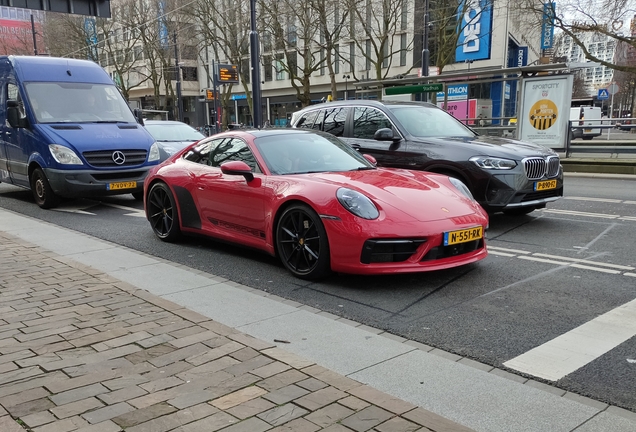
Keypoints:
pixel 385 134
pixel 13 115
pixel 139 116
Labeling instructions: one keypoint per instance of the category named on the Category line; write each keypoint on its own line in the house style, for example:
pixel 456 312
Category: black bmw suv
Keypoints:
pixel 505 175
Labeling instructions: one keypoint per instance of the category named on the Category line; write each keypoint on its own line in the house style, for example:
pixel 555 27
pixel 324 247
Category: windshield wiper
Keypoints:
pixel 363 168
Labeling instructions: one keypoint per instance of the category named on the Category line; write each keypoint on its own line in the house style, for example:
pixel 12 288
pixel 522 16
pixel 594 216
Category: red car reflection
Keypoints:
pixel 316 203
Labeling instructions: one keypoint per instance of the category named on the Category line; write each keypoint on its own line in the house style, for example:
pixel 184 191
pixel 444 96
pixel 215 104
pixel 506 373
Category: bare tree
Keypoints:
pixel 577 18
pixel 224 27
pixel 289 31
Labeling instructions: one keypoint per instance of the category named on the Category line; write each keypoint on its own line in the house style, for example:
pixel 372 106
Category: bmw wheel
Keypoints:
pixel 42 191
pixel 302 244
pixel 162 213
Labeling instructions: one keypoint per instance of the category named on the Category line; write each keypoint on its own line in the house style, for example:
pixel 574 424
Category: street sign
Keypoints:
pixel 603 94
pixel 612 89
pixel 422 88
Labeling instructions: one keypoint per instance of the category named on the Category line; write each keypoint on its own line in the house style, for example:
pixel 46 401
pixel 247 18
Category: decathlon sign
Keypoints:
pixel 475 18
pixel 547 25
pixel 455 92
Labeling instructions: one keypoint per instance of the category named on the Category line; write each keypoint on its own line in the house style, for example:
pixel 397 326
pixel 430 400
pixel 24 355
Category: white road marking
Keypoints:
pixel 607 200
pixel 586 214
pixel 602 270
pixel 630 274
pixel 629 202
pixel 566 353
pixel 74 209
pixel 516 251
pixel 133 211
pixel 543 260
pixel 578 260
pixel 494 252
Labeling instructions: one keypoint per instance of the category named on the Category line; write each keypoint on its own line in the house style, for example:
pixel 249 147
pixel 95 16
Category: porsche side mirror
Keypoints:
pixel 384 134
pixel 370 159
pixel 237 168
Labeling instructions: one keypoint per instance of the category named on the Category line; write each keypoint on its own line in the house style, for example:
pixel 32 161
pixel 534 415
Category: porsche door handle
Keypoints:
pixel 355 147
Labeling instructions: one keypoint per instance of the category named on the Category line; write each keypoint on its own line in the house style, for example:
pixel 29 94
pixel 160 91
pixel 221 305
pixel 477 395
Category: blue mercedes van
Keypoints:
pixel 66 131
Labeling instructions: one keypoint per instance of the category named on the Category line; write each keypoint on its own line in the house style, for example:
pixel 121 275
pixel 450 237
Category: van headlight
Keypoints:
pixel 155 153
pixel 357 203
pixel 460 186
pixel 64 155
pixel 494 163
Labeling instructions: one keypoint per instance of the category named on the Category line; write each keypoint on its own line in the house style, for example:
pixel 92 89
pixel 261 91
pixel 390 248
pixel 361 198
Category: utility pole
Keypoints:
pixel 35 44
pixel 216 113
pixel 426 59
pixel 256 69
pixel 178 71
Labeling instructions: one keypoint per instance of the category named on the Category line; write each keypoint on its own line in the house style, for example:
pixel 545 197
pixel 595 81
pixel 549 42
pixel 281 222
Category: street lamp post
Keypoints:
pixel 256 68
pixel 346 93
pixel 468 62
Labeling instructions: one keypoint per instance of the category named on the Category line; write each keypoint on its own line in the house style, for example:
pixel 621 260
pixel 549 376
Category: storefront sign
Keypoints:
pixel 475 17
pixel 455 92
pixel 545 110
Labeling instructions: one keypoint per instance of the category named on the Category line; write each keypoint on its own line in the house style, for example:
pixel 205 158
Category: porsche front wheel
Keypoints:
pixel 162 213
pixel 302 244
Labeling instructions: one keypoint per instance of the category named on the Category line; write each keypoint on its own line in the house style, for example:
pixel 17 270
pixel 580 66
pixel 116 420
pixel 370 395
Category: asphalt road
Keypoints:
pixel 524 295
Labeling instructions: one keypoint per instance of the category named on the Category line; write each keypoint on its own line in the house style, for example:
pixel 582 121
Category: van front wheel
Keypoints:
pixel 42 191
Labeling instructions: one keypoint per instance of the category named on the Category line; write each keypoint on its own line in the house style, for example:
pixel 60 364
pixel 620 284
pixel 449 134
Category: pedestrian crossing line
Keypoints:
pixel 570 351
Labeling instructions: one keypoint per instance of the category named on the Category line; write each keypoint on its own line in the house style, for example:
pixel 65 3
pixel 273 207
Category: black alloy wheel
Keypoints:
pixel 162 213
pixel 42 191
pixel 302 244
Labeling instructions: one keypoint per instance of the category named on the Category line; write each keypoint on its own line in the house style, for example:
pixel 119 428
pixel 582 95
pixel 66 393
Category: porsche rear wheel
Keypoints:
pixel 162 213
pixel 302 244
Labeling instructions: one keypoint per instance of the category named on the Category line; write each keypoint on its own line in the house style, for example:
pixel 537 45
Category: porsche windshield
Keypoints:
pixel 429 122
pixel 57 102
pixel 299 153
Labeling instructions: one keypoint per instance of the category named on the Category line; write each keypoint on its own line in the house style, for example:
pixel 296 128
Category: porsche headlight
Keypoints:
pixel 494 163
pixel 154 154
pixel 357 203
pixel 64 155
pixel 460 186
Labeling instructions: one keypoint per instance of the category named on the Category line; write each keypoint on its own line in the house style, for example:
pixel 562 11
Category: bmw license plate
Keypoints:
pixel 545 185
pixel 121 185
pixel 463 236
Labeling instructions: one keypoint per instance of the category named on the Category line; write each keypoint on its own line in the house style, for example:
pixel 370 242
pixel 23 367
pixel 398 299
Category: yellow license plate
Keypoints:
pixel 463 236
pixel 587 130
pixel 545 185
pixel 121 185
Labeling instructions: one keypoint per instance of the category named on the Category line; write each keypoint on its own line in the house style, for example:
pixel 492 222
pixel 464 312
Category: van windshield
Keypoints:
pixel 54 102
pixel 429 122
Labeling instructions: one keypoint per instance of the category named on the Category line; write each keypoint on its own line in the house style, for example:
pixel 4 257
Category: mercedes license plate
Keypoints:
pixel 121 185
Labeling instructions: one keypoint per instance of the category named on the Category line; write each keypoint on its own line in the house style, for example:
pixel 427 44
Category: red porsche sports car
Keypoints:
pixel 316 203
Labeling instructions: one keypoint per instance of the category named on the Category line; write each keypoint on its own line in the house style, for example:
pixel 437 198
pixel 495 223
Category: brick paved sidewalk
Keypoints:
pixel 82 351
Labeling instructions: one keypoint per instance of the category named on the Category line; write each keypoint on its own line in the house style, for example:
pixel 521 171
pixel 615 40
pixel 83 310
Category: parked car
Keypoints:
pixel 68 132
pixel 316 203
pixel 502 174
pixel 172 136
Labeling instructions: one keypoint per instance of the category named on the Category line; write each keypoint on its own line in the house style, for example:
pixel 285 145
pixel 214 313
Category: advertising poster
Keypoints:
pixel 475 27
pixel 545 110
pixel 458 109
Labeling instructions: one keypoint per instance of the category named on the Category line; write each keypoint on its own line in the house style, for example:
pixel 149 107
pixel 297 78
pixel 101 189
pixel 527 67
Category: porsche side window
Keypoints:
pixel 307 120
pixel 366 121
pixel 200 152
pixel 335 121
pixel 233 149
